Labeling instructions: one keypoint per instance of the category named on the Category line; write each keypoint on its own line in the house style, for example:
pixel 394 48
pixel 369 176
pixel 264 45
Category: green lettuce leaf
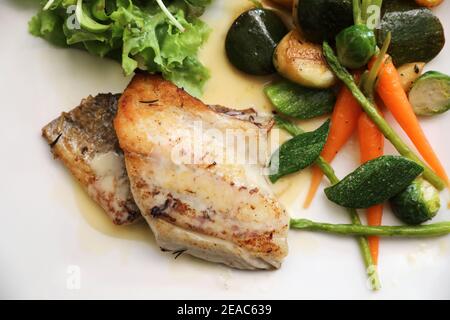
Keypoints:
pixel 140 30
pixel 48 25
pixel 196 8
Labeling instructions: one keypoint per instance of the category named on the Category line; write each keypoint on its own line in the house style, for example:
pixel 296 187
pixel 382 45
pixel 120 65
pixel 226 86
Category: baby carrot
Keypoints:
pixel 344 121
pixel 371 143
pixel 394 97
pixel 368 107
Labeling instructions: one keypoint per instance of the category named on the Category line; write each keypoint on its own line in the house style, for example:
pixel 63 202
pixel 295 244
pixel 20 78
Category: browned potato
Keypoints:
pixel 409 73
pixel 302 62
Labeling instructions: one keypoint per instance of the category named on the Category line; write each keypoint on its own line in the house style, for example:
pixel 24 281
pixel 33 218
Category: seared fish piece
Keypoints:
pixel 85 141
pixel 215 210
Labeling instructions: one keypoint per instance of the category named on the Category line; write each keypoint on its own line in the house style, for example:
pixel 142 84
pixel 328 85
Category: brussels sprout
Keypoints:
pixel 355 46
pixel 418 203
pixel 430 94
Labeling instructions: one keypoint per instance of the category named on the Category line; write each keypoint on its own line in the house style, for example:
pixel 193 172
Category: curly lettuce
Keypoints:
pixel 160 37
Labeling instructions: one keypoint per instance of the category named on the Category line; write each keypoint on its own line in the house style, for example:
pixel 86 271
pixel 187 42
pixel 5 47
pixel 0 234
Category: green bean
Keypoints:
pixel 326 168
pixel 431 230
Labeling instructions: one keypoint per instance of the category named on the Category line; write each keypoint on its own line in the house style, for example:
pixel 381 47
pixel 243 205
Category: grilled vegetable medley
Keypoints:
pixel 355 61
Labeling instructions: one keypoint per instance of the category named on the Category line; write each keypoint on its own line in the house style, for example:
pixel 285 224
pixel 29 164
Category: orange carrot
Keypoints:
pixel 374 218
pixel 344 121
pixel 371 140
pixel 394 97
pixel 371 143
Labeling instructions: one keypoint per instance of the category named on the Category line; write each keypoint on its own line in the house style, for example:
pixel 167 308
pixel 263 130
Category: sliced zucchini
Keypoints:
pixel 430 94
pixel 299 102
pixel 252 39
pixel 409 73
pixel 302 62
pixel 374 182
pixel 417 34
pixel 322 20
pixel 418 203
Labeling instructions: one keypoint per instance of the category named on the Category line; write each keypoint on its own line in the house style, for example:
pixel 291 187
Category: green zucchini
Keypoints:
pixel 322 20
pixel 374 182
pixel 418 203
pixel 298 153
pixel 300 102
pixel 252 39
pixel 417 34
pixel 430 94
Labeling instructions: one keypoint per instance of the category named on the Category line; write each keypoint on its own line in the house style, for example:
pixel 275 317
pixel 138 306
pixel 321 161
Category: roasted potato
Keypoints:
pixel 302 62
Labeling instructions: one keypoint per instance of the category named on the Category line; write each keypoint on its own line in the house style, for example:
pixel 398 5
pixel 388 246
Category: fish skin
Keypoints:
pixel 82 136
pixel 212 211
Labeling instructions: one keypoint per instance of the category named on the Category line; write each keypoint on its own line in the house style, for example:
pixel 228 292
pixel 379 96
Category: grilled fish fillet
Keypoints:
pixel 215 210
pixel 85 141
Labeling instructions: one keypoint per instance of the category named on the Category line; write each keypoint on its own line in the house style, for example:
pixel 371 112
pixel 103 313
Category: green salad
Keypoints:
pixel 141 34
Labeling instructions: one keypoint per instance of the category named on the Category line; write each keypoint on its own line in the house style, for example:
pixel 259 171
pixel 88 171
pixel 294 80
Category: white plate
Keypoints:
pixel 50 229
